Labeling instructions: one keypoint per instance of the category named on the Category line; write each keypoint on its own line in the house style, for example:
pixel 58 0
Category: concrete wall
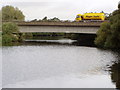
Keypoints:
pixel 27 29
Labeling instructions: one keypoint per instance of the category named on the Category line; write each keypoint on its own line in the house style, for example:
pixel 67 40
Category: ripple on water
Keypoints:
pixel 56 66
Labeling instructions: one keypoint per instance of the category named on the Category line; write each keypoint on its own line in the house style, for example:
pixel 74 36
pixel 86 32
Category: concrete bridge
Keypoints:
pixel 66 27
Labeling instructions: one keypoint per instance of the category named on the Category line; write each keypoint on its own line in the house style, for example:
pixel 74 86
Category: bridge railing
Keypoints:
pixel 59 23
pixel 55 23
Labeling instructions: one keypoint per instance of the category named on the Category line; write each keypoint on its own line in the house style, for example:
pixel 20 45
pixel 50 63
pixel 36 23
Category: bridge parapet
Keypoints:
pixel 69 24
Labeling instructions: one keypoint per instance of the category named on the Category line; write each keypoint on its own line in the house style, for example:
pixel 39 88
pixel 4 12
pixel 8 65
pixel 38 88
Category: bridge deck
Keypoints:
pixel 67 27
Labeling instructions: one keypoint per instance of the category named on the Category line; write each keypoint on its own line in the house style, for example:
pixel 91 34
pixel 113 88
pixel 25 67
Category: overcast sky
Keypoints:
pixel 63 9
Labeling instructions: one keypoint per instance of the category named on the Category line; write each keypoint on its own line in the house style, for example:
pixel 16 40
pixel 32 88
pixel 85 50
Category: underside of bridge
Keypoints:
pixel 84 39
pixel 85 36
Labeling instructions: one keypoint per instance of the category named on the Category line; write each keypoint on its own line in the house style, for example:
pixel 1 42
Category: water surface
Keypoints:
pixel 57 66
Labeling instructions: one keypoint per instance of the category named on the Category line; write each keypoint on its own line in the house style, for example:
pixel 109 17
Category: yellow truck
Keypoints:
pixel 90 16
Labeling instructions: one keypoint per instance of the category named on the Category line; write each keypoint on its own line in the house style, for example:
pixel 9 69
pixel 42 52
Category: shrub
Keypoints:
pixel 10 34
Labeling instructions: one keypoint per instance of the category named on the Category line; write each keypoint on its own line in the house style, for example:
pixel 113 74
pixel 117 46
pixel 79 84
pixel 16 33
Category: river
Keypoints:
pixel 58 64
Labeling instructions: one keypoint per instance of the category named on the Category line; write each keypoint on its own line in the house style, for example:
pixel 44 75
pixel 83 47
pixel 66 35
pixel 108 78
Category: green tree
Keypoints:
pixel 9 13
pixel 102 34
pixel 119 5
pixel 54 19
pixel 44 19
pixel 7 34
pixel 9 28
pixel 108 36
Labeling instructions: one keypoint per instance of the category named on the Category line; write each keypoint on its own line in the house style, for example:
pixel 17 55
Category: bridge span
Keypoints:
pixel 66 27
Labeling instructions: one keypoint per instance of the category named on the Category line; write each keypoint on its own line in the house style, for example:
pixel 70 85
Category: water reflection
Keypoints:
pixel 38 42
pixel 60 41
pixel 115 72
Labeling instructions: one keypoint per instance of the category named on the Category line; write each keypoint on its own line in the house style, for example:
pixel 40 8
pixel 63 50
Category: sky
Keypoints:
pixel 62 9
